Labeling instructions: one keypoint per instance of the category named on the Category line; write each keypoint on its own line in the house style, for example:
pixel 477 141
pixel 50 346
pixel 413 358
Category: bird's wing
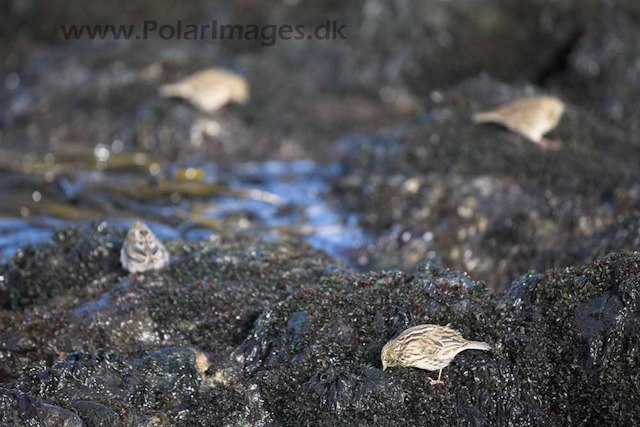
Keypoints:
pixel 523 112
pixel 213 99
pixel 445 340
pixel 430 346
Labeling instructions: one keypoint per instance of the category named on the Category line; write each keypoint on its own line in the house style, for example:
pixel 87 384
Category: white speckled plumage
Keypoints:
pixel 142 251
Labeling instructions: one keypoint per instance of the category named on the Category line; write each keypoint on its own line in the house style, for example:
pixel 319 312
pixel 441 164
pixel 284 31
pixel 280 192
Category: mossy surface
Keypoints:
pixel 485 200
pixel 540 371
pixel 241 332
pixel 72 295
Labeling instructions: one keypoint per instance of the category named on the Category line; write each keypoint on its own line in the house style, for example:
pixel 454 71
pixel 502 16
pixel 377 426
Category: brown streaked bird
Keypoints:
pixel 430 347
pixel 530 117
pixel 142 251
pixel 209 90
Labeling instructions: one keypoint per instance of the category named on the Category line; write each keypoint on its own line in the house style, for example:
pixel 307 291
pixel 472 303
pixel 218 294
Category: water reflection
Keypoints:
pixel 269 198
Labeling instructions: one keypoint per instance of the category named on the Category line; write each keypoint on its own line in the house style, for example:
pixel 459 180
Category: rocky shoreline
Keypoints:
pixel 249 325
pixel 242 332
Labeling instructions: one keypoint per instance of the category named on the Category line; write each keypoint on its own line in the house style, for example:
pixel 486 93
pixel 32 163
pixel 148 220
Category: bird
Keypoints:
pixel 142 251
pixel 429 347
pixel 531 117
pixel 209 90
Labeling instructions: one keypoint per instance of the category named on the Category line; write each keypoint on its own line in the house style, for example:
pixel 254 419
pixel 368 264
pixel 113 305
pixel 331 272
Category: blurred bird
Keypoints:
pixel 530 117
pixel 209 90
pixel 430 347
pixel 142 251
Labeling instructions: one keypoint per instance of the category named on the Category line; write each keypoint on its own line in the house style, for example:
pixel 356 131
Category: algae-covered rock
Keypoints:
pixel 602 71
pixel 80 299
pixel 560 350
pixel 95 414
pixel 393 55
pixel 242 332
pixel 20 409
pixel 135 387
pixel 72 261
pixel 483 200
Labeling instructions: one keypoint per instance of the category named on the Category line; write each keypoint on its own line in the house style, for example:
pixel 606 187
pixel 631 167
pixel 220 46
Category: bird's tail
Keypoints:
pixel 477 345
pixel 486 117
pixel 171 90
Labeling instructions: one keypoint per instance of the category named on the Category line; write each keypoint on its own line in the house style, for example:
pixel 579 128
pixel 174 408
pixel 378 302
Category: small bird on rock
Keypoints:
pixel 209 90
pixel 530 117
pixel 142 251
pixel 430 347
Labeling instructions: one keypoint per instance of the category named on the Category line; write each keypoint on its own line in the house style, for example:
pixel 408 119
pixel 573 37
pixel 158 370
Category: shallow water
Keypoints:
pixel 268 198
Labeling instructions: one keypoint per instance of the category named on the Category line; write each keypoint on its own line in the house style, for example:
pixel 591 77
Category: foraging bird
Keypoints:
pixel 142 251
pixel 530 117
pixel 430 347
pixel 209 90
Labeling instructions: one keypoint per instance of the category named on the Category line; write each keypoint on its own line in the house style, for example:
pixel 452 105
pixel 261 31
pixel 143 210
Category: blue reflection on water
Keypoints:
pixel 291 194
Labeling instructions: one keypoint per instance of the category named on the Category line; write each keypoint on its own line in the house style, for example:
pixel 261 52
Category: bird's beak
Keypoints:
pixel 384 367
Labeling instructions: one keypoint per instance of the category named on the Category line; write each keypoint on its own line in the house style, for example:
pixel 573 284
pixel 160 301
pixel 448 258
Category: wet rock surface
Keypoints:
pixel 243 332
pixel 541 370
pixel 486 201
pixel 602 71
pixel 391 103
pixel 18 408
pixel 209 297
pixel 257 328
pixel 393 57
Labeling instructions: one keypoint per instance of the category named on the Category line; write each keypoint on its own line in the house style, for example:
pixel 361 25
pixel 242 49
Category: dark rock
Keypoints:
pixel 542 368
pixel 395 55
pixel 565 344
pixel 74 259
pixel 159 380
pixel 223 406
pixel 209 298
pixel 436 276
pixel 469 198
pixel 95 414
pixel 20 409
pixel 602 72
pixel 426 45
pixel 518 289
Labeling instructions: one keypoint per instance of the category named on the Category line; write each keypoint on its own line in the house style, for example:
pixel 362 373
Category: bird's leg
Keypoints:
pixel 433 382
pixel 548 145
